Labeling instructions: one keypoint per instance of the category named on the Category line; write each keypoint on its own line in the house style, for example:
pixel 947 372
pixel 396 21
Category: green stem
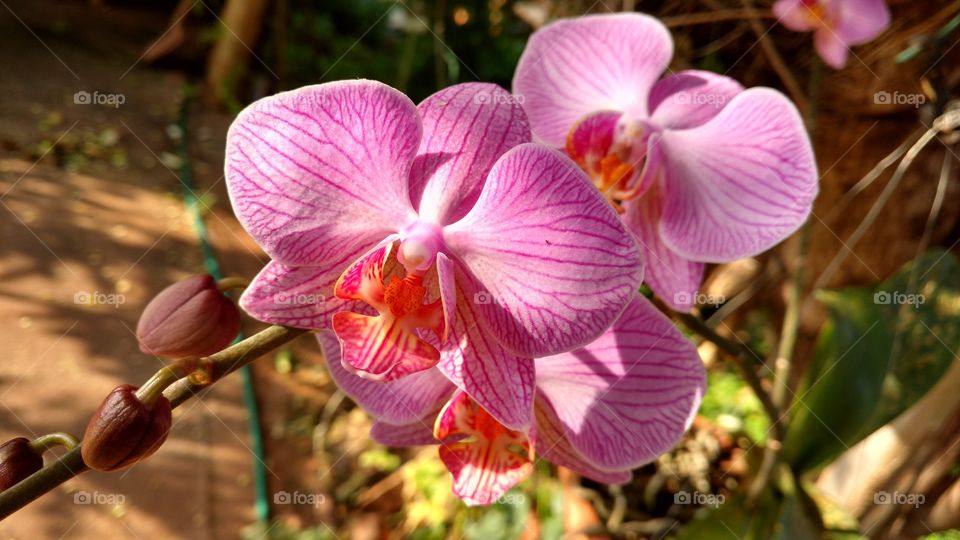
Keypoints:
pixel 229 283
pixel 219 365
pixel 45 442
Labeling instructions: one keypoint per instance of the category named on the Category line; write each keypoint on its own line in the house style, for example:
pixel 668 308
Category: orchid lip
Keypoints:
pixel 612 149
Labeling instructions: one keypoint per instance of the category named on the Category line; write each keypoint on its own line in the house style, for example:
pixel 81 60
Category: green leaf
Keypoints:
pixel 844 382
pixel 879 352
pixel 926 331
pixel 731 520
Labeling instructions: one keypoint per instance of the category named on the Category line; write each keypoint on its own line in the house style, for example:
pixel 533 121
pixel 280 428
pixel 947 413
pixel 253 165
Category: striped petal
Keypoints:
pixel 554 264
pixel 690 98
pixel 466 128
pixel 740 183
pixel 297 296
pixel 573 67
pixel 491 461
pixel 552 445
pixel 501 382
pixel 673 278
pixel 399 402
pixel 319 174
pixel 629 396
pixel 385 346
pixel 414 434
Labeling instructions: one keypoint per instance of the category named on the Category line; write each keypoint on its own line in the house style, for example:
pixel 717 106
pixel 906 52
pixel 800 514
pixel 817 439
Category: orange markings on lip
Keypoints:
pixel 404 296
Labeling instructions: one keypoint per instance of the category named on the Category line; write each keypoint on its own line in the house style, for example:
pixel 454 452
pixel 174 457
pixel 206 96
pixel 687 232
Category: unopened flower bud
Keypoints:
pixel 18 460
pixel 125 429
pixel 189 318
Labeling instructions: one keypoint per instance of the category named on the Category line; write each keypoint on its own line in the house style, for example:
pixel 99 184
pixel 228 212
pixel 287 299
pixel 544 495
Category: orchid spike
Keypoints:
pixel 836 24
pixel 430 235
pixel 701 170
pixel 601 410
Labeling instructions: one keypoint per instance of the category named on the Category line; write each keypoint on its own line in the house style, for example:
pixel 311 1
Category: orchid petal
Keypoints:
pixel 673 278
pixel 485 466
pixel 414 434
pixel 831 48
pixel 502 383
pixel 553 261
pixel 466 128
pixel 320 173
pixel 448 293
pixel 690 98
pixel 381 348
pixel 399 402
pixel 795 15
pixel 629 396
pixel 300 296
pixel 859 21
pixel 552 445
pixel 740 183
pixel 573 67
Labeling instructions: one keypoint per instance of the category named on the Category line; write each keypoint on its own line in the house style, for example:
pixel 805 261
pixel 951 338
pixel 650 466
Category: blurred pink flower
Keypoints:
pixel 702 170
pixel 601 410
pixel 426 236
pixel 836 24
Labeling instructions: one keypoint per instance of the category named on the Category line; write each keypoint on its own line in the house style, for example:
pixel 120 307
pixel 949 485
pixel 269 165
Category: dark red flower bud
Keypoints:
pixel 18 460
pixel 189 318
pixel 125 430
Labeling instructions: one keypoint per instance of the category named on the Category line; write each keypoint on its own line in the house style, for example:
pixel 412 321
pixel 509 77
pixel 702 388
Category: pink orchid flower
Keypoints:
pixel 701 170
pixel 426 236
pixel 836 24
pixel 601 410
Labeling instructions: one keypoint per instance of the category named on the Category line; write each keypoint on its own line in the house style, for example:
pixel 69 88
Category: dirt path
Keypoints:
pixel 90 231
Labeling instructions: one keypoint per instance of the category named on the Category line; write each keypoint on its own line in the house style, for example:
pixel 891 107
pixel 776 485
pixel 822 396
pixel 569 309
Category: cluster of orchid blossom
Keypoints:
pixel 472 263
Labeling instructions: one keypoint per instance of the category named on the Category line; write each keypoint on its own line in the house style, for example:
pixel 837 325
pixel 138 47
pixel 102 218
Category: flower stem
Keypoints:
pixel 45 442
pixel 229 283
pixel 213 368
